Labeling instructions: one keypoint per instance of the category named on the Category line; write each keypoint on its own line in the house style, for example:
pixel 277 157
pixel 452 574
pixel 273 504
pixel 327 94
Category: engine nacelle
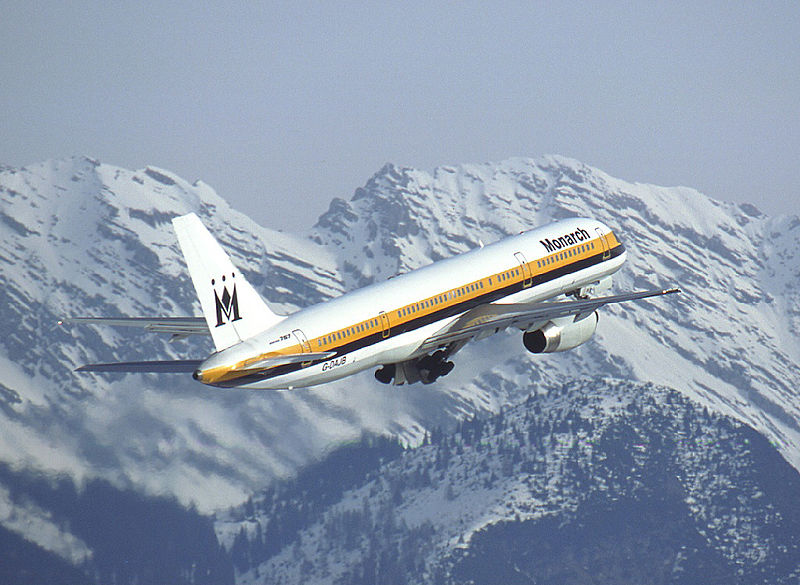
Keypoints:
pixel 554 337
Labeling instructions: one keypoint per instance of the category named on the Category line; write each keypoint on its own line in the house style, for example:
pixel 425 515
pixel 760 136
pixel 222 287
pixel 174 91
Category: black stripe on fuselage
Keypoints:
pixel 412 324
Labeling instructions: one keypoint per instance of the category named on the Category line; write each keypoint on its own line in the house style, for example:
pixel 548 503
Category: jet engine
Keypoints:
pixel 553 337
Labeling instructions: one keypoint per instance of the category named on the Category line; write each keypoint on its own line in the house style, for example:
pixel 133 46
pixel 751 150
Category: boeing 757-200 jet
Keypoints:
pixel 408 326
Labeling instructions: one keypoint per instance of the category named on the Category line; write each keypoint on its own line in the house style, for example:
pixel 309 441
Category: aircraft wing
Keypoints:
pixel 491 318
pixel 179 327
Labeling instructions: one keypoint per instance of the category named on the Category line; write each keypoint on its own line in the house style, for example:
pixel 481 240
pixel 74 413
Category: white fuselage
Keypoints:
pixel 387 322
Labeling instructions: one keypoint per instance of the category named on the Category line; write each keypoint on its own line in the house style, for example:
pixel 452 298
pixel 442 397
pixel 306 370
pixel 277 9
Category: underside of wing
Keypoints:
pixel 491 318
pixel 178 327
pixel 158 367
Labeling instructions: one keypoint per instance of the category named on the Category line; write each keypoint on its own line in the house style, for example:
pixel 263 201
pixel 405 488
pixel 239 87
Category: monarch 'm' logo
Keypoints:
pixel 227 306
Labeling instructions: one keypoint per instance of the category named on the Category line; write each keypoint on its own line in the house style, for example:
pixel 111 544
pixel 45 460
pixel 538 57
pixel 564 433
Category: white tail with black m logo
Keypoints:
pixel 233 309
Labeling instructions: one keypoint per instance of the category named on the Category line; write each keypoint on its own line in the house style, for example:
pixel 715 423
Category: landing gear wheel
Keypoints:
pixel 447 367
pixel 385 374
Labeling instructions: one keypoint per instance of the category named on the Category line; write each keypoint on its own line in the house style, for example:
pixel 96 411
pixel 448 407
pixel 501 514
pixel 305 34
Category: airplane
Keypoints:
pixel 408 327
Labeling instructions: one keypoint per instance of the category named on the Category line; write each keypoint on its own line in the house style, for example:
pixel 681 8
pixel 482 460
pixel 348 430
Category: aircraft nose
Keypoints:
pixel 198 375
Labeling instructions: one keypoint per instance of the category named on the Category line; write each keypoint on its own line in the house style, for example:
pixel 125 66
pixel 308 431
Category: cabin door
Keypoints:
pixel 604 243
pixel 527 277
pixel 384 318
pixel 301 337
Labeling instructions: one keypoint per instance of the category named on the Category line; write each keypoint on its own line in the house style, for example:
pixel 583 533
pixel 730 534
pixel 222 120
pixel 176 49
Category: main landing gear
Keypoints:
pixel 426 369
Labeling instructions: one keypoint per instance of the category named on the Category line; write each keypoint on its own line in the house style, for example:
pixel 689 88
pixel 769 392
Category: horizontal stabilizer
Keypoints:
pixel 158 367
pixel 182 326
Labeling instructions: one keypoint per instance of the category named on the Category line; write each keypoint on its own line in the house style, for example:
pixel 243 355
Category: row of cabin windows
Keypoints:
pixel 402 312
pixel 509 274
pixel 451 295
pixel 360 328
pixel 561 256
pixel 440 299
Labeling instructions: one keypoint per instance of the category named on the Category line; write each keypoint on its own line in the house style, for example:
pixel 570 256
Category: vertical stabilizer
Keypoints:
pixel 232 307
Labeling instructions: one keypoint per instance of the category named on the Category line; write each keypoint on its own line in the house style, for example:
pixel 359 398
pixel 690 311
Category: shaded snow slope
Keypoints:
pixel 601 482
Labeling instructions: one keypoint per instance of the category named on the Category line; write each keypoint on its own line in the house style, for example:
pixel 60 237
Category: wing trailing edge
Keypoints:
pixel 496 316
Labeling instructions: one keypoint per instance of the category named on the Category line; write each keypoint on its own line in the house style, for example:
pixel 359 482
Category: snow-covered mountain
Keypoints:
pixel 601 482
pixel 730 340
pixel 82 238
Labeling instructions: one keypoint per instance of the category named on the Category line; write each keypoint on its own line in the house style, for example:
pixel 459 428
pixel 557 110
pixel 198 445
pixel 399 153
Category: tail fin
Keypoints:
pixel 232 307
